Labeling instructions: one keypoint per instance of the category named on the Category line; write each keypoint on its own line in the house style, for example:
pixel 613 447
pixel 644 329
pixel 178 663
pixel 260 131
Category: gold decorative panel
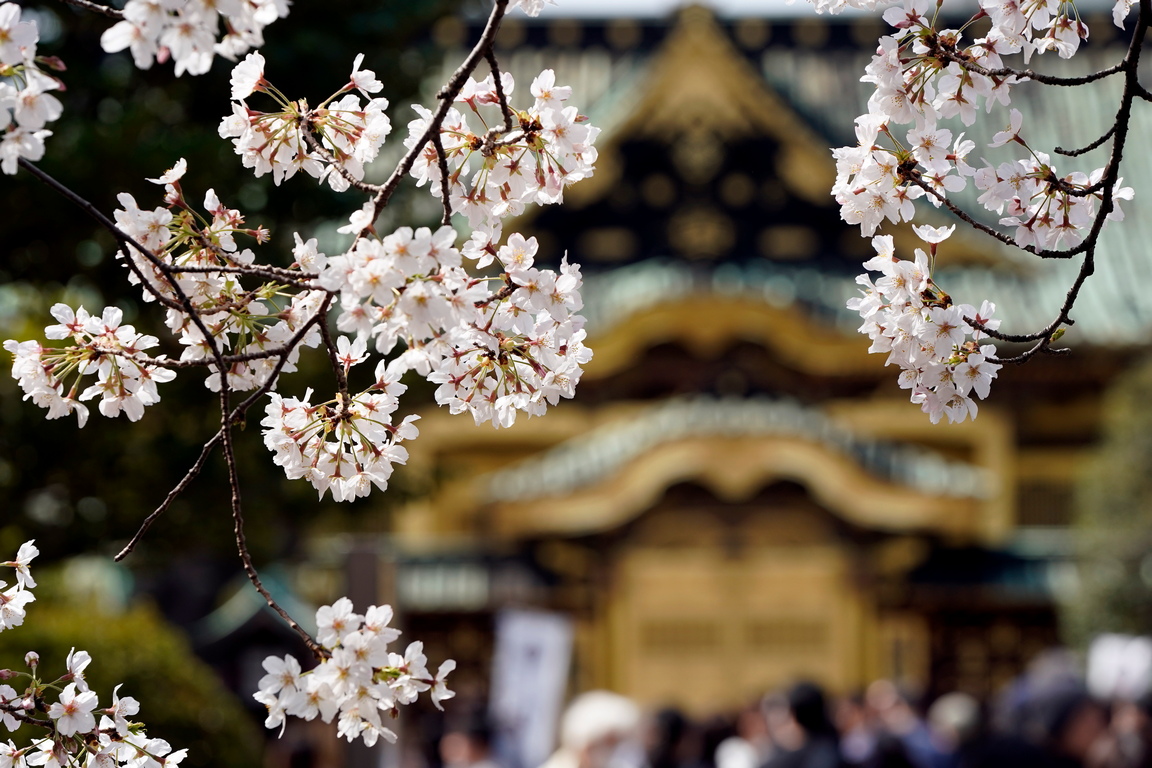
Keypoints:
pixel 743 625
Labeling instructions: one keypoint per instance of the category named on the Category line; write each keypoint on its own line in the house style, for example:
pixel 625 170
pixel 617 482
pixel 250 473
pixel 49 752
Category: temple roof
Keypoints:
pixel 601 452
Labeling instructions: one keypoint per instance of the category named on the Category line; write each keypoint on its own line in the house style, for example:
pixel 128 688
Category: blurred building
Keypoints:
pixel 739 495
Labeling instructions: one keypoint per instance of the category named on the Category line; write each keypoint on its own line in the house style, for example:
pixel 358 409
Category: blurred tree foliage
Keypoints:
pixel 1113 519
pixel 76 491
pixel 190 710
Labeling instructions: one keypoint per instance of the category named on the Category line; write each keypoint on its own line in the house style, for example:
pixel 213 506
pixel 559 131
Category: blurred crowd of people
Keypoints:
pixel 1047 719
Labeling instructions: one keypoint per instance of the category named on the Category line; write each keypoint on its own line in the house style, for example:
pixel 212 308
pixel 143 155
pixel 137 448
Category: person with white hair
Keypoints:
pixel 598 730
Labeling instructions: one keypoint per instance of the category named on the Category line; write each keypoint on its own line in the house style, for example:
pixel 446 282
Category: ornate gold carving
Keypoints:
pixel 623 34
pixel 737 190
pixel 701 232
pixel 699 82
pixel 698 155
pixel 677 636
pixel 753 33
pixel 810 33
pixel 565 33
pixel 609 244
pixel 788 242
pixel 659 191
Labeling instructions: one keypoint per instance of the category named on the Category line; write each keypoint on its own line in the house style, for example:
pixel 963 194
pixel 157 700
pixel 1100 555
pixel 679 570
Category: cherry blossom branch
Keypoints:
pixel 295 279
pixel 183 302
pixel 446 95
pixel 1119 131
pixel 964 60
pixel 227 418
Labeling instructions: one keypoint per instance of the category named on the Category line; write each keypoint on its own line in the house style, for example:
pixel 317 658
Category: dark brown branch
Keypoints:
pixel 445 187
pixel 1025 74
pixel 497 78
pixel 238 528
pixel 1042 346
pixel 500 295
pixel 103 10
pixel 337 368
pixel 1007 240
pixel 272 273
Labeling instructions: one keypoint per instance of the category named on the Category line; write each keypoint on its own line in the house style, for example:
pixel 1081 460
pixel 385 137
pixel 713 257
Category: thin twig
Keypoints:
pixel 314 143
pixel 447 96
pixel 497 79
pixel 172 494
pixel 1089 148
pixel 272 273
pixel 104 10
pixel 337 368
pixel 1025 74
pixel 126 241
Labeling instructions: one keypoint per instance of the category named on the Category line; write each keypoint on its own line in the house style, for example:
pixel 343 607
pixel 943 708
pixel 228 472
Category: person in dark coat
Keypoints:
pixel 819 743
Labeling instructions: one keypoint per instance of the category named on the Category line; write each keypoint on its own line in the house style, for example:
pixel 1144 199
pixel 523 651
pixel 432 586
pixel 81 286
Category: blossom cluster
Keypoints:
pixel 1046 211
pixel 75 736
pixel 26 104
pixel 1034 25
pixel 201 250
pixel 103 346
pixel 923 74
pixel 358 682
pixel 936 343
pixel 492 174
pixel 187 30
pixel 518 349
pixel 349 132
pixel 342 450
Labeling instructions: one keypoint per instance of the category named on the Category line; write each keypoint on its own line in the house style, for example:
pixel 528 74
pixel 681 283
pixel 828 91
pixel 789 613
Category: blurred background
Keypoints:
pixel 740 525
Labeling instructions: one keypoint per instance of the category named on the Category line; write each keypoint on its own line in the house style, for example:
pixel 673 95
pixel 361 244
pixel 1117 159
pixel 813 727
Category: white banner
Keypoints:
pixel 529 680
